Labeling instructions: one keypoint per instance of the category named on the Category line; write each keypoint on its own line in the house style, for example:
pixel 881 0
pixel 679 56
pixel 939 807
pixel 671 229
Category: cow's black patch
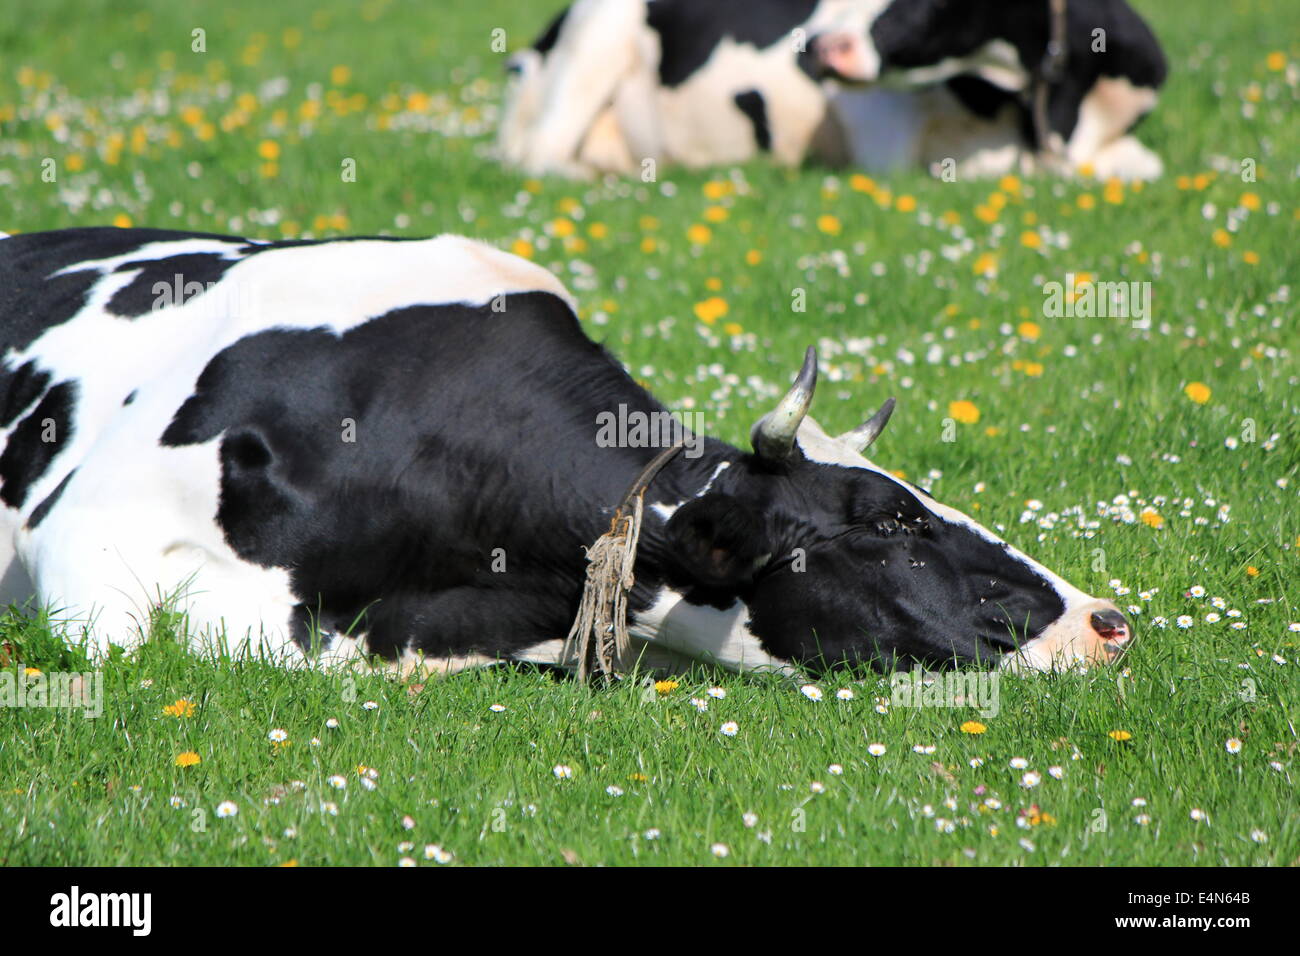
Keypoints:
pixel 751 103
pixel 27 453
pixel 18 389
pixel 544 43
pixel 40 511
pixel 162 283
pixel 690 31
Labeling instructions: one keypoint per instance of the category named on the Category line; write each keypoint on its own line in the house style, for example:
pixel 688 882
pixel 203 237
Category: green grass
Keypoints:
pixel 1105 415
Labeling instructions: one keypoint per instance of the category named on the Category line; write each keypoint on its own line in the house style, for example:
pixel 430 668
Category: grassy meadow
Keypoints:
pixel 1154 464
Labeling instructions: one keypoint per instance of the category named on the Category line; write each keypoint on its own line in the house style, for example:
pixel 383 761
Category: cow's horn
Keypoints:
pixel 860 438
pixel 773 435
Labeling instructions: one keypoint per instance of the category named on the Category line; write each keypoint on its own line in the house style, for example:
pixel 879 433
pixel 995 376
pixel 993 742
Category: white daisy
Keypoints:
pixel 370 705
pixel 844 693
pixel 1031 779
pixel 1185 621
pixel 433 851
pixel 811 691
pixel 1019 763
pixel 835 769
pixel 730 728
pixel 749 819
pixel 720 850
pixel 338 781
pixel 278 736
pixel 614 790
pixel 1056 773
pixel 1142 819
pixel 497 708
pixel 562 771
pixel 717 693
pixel 1259 836
pixel 332 723
pixel 1197 814
pixel 1232 745
pixel 700 704
pixel 876 750
pixel 227 808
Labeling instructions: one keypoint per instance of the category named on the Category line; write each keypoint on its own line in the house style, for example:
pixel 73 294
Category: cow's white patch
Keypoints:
pixel 703 633
pixel 1107 112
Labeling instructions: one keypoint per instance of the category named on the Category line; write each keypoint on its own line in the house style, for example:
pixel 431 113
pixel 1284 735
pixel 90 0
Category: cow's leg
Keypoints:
pixel 596 49
pixel 1106 113
pixel 1127 159
pixel 459 628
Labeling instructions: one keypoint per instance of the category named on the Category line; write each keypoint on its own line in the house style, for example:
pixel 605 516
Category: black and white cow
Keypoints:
pixel 878 83
pixel 391 447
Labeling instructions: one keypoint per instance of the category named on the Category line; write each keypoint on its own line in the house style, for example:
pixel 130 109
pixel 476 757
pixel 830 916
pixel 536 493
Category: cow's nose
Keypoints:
pixel 1110 624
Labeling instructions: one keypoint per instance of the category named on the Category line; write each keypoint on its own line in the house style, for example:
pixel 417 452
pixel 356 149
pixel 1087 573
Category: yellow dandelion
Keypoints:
pixel 1276 61
pixel 715 189
pixel 188 759
pixel 828 224
pixel 1198 392
pixel 648 245
pixel 665 686
pixel 862 184
pixel 1252 571
pixel 1250 201
pixel 340 75
pixel 122 221
pixel 1029 330
pixel 973 727
pixel 733 328
pixel 1086 201
pixel 598 230
pixel 699 234
pixel 716 214
pixel 522 248
pixel 964 411
pixel 986 264
pixel 905 203
pixel 1114 191
pixel 1120 735
pixel 753 257
pixel 268 149
pixel 182 708
pixel 562 227
pixel 1151 518
pixel 1250 257
pixel 1221 238
pixel 1030 239
pixel 711 309
pixel 1034 369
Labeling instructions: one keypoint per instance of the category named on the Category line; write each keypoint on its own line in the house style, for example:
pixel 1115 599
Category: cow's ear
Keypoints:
pixel 718 541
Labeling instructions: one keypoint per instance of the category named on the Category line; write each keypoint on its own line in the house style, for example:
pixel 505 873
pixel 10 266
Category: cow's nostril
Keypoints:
pixel 1111 625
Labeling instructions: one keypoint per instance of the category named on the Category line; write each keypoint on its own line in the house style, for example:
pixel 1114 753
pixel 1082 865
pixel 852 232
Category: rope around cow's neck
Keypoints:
pixel 1050 71
pixel 599 635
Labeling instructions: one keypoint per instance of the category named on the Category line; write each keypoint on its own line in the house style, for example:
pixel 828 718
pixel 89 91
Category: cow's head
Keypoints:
pixel 839 562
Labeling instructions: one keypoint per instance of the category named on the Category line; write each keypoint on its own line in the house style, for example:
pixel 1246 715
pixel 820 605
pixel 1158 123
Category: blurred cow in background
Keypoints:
pixel 991 86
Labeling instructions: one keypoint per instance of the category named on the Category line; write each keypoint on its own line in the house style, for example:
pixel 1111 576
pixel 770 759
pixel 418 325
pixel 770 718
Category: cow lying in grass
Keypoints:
pixel 621 85
pixel 378 447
